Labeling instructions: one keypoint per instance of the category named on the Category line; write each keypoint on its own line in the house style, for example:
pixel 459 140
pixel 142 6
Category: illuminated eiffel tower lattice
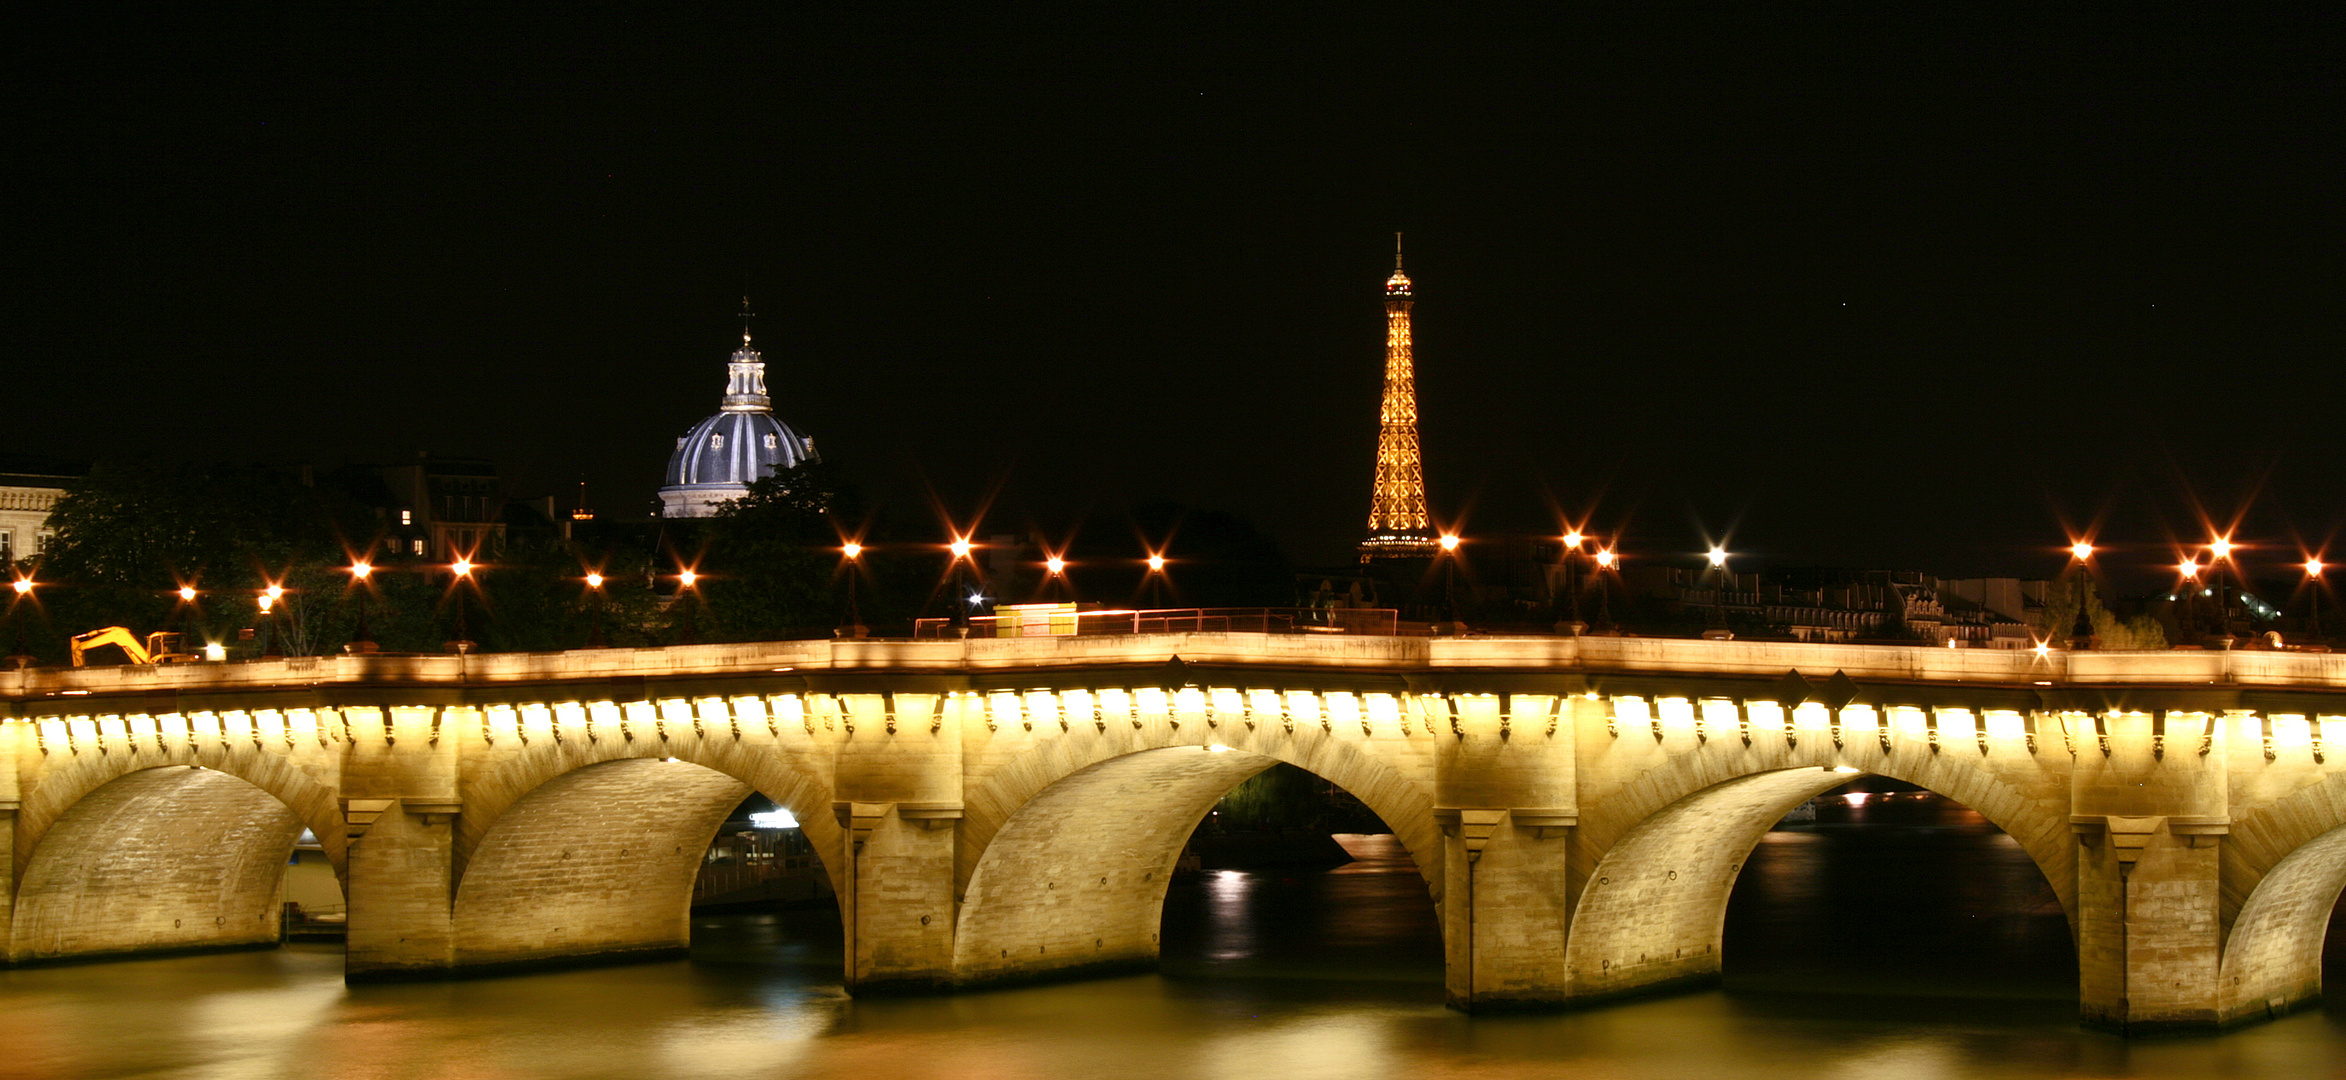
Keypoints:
pixel 1398 527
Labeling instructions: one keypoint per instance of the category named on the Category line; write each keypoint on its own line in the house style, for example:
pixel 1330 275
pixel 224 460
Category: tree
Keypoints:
pixel 2058 616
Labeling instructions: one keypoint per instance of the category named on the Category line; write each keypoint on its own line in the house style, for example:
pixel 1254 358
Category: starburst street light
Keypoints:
pixel 1718 557
pixel 187 594
pixel 1156 564
pixel 1055 565
pixel 960 547
pixel 22 585
pixel 2081 550
pixel 2221 548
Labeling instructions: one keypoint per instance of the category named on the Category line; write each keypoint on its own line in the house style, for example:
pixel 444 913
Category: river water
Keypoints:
pixel 1898 937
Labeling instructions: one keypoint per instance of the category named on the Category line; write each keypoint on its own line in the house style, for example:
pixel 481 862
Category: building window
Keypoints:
pixel 769 440
pixel 407 517
pixel 716 442
pixel 419 545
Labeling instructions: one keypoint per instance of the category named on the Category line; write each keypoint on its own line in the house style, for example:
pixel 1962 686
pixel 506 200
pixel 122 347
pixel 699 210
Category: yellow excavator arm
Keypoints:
pixel 112 635
pixel 161 647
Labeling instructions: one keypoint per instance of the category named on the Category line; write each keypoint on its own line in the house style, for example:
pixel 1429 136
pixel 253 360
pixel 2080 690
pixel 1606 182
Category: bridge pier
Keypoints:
pixel 399 799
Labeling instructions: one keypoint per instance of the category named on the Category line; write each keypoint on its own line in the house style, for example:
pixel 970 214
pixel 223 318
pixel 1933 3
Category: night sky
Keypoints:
pixel 1868 287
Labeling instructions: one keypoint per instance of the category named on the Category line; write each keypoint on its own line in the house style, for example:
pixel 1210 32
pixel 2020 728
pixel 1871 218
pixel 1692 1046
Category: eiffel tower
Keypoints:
pixel 1398 527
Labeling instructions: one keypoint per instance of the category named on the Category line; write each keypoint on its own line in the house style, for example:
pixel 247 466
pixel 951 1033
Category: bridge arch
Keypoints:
pixel 1652 910
pixel 160 858
pixel 1067 869
pixel 793 784
pixel 591 850
pixel 74 779
pixel 2272 957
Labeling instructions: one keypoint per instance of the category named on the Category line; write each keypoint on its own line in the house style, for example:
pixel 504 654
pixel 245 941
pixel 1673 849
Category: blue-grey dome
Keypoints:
pixel 736 449
pixel 723 455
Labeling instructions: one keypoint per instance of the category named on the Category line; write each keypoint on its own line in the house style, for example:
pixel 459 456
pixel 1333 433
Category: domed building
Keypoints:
pixel 723 455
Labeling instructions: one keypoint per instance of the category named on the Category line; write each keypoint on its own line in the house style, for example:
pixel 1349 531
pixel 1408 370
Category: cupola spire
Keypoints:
pixel 745 375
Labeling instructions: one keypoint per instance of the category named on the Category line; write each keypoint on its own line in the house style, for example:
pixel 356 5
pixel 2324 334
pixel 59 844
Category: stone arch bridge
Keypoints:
pixel 1002 810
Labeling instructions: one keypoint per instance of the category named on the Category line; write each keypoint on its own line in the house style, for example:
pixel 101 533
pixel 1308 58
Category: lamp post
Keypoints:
pixel 2081 636
pixel 1717 557
pixel 20 591
pixel 1156 578
pixel 688 591
pixel 462 570
pixel 270 648
pixel 960 547
pixel 362 574
pixel 854 627
pixel 1572 555
pixel 2313 596
pixel 1605 559
pixel 1449 545
pixel 2219 553
pixel 594 584
pixel 1055 578
pixel 2189 591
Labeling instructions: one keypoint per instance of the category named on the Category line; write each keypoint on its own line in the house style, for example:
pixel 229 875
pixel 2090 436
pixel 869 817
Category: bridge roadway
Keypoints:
pixel 1002 810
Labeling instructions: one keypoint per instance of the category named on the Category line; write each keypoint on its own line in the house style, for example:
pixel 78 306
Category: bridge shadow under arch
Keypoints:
pixel 159 859
pixel 1074 881
pixel 1652 914
pixel 596 863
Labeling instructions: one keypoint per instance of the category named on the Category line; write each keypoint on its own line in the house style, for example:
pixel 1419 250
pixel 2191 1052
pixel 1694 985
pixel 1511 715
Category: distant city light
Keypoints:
pixel 773 819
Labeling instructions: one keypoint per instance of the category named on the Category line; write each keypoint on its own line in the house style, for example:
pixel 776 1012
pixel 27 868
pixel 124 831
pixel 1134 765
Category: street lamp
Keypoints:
pixel 2080 627
pixel 854 628
pixel 594 584
pixel 1605 560
pixel 2219 553
pixel 2313 598
pixel 687 591
pixel 1572 555
pixel 462 568
pixel 958 609
pixel 1449 545
pixel 1156 578
pixel 1717 557
pixel 362 575
pixel 1055 577
pixel 270 648
pixel 21 590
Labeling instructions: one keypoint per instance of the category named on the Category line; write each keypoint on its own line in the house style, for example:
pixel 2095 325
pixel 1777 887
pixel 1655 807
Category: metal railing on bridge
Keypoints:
pixel 1064 620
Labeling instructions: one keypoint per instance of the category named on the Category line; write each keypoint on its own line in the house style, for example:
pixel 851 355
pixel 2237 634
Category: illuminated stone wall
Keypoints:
pixel 1003 809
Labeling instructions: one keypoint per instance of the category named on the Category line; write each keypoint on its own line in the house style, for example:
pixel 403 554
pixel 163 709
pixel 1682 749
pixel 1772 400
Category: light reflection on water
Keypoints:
pixel 1915 948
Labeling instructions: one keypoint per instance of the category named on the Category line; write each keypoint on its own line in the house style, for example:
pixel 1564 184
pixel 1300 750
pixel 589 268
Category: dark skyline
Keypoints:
pixel 1866 287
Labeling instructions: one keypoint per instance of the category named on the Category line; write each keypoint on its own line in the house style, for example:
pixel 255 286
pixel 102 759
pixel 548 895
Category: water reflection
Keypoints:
pixel 1911 943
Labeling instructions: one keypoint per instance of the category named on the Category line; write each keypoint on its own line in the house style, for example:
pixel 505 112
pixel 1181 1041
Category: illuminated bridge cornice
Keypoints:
pixel 1611 667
